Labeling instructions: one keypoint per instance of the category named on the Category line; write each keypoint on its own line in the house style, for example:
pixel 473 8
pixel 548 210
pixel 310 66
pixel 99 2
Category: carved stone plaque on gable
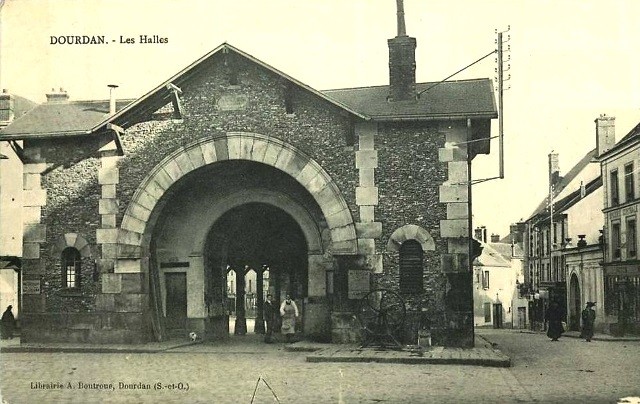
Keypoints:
pixel 232 102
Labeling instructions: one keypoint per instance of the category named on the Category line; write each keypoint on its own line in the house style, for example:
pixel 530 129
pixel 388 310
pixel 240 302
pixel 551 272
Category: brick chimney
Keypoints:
pixel 605 133
pixel 6 108
pixel 554 169
pixel 495 238
pixel 402 62
pixel 480 234
pixel 55 97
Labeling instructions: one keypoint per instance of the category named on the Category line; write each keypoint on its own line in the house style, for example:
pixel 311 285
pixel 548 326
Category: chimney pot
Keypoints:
pixel 605 133
pixel 112 98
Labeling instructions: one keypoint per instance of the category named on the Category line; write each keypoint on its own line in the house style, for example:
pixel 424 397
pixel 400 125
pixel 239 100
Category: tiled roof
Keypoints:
pixel 490 257
pixel 447 100
pixel 586 170
pixel 505 249
pixel 634 134
pixel 21 106
pixel 450 99
pixel 74 117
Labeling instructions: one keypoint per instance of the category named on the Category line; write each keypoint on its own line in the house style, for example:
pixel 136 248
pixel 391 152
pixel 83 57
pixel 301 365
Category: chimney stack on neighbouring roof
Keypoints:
pixel 112 98
pixel 495 238
pixel 554 169
pixel 605 133
pixel 480 234
pixel 6 107
pixel 57 97
pixel 402 62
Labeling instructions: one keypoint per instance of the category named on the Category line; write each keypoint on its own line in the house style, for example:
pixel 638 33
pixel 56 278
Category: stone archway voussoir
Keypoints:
pixel 195 156
pixel 208 151
pixel 339 219
pixel 259 150
pixel 234 147
pixel 70 240
pixel 272 152
pixel 173 169
pixel 184 162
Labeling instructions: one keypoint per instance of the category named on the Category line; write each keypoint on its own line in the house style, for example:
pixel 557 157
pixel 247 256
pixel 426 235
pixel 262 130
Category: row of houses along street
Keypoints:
pixel 579 245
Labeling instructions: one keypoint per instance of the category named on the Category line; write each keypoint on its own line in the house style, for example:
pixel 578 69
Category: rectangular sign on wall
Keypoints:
pixel 31 287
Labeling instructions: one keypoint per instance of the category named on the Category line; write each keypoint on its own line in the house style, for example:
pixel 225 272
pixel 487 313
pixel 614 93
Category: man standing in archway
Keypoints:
pixel 289 313
pixel 269 318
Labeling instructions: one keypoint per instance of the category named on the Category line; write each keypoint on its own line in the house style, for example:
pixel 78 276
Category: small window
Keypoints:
pixel 411 267
pixel 615 197
pixel 615 240
pixel 485 280
pixel 629 189
pixel 71 264
pixel 631 238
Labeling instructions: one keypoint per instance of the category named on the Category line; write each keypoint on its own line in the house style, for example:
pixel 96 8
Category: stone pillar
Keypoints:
pixel 455 193
pixel 34 235
pixel 241 321
pixel 367 230
pixel 259 324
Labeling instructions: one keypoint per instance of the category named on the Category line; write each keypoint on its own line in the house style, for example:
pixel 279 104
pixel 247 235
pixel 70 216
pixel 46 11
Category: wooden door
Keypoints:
pixel 176 287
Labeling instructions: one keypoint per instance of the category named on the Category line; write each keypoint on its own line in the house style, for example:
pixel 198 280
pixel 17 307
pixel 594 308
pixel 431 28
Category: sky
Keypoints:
pixel 570 61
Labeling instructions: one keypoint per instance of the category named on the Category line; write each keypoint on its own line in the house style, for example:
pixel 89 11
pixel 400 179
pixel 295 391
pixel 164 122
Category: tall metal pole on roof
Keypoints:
pixel 500 106
pixel 402 30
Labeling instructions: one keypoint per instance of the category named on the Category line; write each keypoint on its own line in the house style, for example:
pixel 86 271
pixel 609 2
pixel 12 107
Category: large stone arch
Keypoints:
pixel 237 146
pixel 298 213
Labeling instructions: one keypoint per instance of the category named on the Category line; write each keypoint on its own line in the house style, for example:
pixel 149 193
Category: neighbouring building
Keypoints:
pixel 11 201
pixel 563 250
pixel 134 212
pixel 620 163
pixel 498 274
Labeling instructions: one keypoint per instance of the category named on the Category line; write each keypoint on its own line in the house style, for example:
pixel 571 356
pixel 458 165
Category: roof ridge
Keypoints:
pixel 417 84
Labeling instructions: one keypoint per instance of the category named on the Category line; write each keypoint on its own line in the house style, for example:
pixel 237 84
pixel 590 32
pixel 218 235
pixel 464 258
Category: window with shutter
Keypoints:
pixel 411 255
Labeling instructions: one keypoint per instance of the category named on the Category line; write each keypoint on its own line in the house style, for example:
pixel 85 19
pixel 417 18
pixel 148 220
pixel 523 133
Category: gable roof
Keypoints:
pixel 633 135
pixel 162 95
pixel 587 170
pixel 490 257
pixel 59 118
pixel 446 100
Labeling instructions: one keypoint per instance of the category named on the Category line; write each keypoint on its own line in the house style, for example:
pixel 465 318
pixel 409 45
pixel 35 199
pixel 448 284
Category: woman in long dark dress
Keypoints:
pixel 8 323
pixel 588 319
pixel 555 318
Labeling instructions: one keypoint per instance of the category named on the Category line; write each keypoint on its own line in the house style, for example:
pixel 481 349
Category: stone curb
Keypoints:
pixel 595 337
pixel 91 348
pixel 487 362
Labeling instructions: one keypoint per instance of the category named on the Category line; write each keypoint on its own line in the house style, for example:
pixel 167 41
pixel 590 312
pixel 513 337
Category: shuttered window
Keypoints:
pixel 411 267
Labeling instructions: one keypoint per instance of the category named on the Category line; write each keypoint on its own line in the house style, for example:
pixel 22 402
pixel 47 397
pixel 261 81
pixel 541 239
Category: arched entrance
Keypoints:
pixel 249 240
pixel 575 305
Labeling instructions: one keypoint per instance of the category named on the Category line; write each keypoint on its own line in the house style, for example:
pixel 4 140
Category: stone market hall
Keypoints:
pixel 135 211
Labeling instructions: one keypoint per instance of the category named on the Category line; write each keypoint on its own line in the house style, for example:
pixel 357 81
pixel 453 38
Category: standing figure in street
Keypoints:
pixel 289 313
pixel 588 319
pixel 7 323
pixel 270 311
pixel 555 317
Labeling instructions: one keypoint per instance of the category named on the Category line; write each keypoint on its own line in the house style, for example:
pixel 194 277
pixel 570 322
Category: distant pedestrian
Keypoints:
pixel 555 317
pixel 588 319
pixel 7 323
pixel 289 313
pixel 269 310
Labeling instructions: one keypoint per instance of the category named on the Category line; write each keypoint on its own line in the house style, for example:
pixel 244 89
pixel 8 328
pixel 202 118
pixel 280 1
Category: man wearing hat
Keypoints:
pixel 588 319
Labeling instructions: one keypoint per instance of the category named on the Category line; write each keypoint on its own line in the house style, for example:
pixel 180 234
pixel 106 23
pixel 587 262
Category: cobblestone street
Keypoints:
pixel 566 371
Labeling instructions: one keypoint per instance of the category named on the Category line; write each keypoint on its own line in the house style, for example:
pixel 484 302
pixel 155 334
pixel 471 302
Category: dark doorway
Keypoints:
pixel 251 239
pixel 176 286
pixel 575 304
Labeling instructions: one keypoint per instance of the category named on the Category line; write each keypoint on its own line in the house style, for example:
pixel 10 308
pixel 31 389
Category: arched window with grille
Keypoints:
pixel 411 255
pixel 71 264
